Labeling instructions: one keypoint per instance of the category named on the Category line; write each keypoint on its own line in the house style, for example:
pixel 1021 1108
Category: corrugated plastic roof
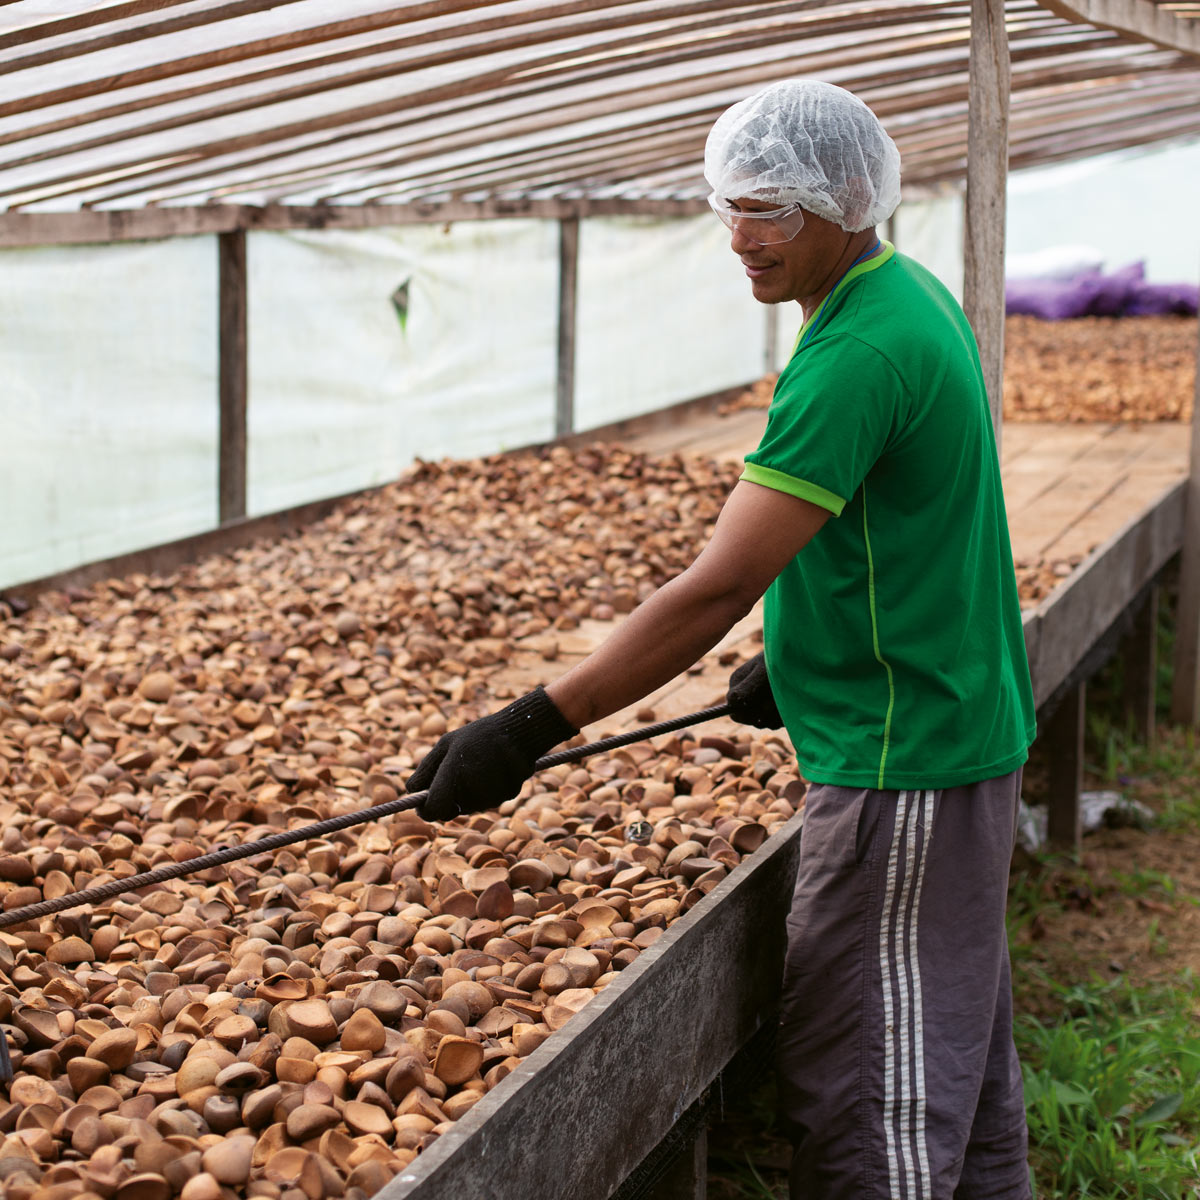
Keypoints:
pixel 115 104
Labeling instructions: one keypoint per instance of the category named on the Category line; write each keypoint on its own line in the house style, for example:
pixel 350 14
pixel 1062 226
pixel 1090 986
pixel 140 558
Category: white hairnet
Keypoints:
pixel 807 142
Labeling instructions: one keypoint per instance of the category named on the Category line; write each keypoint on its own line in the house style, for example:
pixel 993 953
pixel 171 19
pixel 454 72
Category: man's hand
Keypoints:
pixel 485 763
pixel 750 698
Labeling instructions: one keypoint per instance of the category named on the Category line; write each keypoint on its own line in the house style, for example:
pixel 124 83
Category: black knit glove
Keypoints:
pixel 750 698
pixel 485 763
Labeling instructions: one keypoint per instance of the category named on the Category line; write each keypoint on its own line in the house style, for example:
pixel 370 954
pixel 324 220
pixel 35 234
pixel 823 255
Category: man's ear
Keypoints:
pixel 859 195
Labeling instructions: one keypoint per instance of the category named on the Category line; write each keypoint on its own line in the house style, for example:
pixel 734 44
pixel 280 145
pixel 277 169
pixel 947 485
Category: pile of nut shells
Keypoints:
pixel 1090 369
pixel 1103 369
pixel 1038 576
pixel 304 1024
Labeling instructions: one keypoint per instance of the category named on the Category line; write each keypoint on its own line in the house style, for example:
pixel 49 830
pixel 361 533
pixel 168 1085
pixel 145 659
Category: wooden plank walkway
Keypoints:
pixel 1069 488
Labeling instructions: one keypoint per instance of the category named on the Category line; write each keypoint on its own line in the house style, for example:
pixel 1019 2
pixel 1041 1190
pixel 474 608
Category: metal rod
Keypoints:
pixel 305 833
pixel 276 841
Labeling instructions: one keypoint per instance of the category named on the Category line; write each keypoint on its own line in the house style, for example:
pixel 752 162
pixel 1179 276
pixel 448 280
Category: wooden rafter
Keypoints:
pixel 219 102
pixel 548 69
pixel 497 86
pixel 1139 19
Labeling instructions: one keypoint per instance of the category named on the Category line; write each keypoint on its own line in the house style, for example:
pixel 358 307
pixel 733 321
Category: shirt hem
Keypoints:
pixel 897 780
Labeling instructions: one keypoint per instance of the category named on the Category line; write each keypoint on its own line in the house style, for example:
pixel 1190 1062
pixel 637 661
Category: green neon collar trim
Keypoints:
pixel 855 272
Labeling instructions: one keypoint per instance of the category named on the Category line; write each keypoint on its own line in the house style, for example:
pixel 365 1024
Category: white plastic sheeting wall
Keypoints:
pixel 108 410
pixel 109 360
pixel 664 314
pixel 344 394
pixel 931 231
pixel 1135 206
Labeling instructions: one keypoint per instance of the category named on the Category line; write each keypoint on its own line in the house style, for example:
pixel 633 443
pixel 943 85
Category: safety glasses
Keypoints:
pixel 765 228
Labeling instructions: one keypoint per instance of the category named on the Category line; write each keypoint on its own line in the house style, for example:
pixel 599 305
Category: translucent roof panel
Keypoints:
pixel 127 104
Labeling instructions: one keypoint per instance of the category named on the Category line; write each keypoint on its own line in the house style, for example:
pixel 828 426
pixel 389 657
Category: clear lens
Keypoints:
pixel 765 228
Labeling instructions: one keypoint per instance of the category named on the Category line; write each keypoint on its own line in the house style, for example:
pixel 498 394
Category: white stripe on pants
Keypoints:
pixel 899 967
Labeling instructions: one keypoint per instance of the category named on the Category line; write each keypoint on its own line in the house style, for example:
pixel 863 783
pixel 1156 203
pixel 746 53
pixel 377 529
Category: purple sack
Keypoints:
pixel 1051 299
pixel 1114 292
pixel 1163 299
pixel 1124 293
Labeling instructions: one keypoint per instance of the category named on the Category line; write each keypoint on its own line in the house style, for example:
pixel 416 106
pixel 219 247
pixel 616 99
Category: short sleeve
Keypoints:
pixel 835 407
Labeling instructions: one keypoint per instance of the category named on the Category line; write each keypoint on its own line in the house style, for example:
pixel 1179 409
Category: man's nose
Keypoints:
pixel 740 241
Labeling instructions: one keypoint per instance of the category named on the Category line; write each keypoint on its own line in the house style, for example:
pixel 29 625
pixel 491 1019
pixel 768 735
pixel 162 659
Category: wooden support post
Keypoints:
pixel 1140 661
pixel 568 278
pixel 771 342
pixel 232 375
pixel 1185 688
pixel 687 1176
pixel 1063 742
pixel 987 182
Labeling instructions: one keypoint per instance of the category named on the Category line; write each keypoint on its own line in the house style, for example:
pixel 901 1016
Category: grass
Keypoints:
pixel 747 1158
pixel 1111 1065
pixel 1112 1092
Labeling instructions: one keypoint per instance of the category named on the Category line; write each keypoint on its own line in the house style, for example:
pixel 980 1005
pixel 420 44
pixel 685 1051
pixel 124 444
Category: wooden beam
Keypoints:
pixel 546 76
pixel 151 29
pixel 1062 741
pixel 153 182
pixel 568 287
pixel 226 55
pixel 987 181
pixel 1139 655
pixel 546 81
pixel 1042 151
pixel 1185 687
pixel 232 375
pixel 1136 19
pixel 560 167
pixel 169 184
pixel 550 23
pixel 56 27
pixel 334 158
pixel 140 176
pixel 148 176
pixel 19 229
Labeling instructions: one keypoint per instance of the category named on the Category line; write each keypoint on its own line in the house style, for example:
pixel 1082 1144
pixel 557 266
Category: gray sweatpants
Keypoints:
pixel 898 1074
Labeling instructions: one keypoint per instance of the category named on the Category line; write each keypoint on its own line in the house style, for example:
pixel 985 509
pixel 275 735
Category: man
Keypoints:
pixel 871 517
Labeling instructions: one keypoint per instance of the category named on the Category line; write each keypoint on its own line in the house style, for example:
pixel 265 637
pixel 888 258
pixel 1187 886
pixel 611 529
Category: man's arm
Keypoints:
pixel 482 764
pixel 758 532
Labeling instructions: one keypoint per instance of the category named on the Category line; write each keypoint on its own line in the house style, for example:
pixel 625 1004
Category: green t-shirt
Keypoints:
pixel 893 639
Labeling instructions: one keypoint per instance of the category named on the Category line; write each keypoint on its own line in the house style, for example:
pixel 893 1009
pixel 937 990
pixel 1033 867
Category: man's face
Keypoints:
pixel 793 270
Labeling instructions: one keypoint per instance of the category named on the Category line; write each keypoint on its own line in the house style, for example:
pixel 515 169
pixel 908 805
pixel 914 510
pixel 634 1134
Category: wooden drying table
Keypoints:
pixel 1068 488
pixel 604 1089
pixel 607 1087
